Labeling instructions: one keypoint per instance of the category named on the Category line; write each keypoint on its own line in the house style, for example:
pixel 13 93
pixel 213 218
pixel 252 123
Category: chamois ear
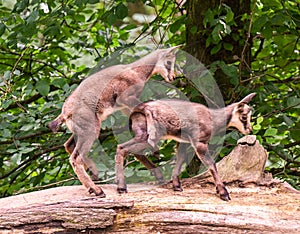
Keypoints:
pixel 248 98
pixel 172 49
pixel 169 51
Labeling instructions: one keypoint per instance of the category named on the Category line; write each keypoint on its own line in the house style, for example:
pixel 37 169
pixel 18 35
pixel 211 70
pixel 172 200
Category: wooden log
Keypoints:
pixel 261 205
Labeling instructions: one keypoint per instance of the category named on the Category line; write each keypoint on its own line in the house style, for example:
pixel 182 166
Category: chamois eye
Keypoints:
pixel 244 118
pixel 168 65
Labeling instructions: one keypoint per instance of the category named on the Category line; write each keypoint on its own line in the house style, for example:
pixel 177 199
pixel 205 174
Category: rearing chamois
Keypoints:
pixel 114 88
pixel 185 122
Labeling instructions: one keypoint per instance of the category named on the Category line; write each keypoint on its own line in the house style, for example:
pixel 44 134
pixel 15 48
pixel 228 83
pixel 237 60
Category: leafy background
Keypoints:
pixel 47 47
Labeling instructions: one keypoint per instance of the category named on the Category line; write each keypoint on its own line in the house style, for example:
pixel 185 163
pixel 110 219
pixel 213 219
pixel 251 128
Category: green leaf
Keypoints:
pixel 20 6
pixel 216 49
pixel 79 17
pixel 177 24
pixel 27 127
pixel 216 33
pixel 79 3
pixel 271 132
pixel 288 120
pixel 32 17
pixel 93 1
pixel 112 18
pixel 293 101
pixel 43 87
pixel 260 119
pixel 121 11
pixel 193 29
pixel 295 134
pixel 2 28
pixel 59 82
pixel 209 18
pixel 228 46
pixel 229 16
pixel 259 23
pixel 268 31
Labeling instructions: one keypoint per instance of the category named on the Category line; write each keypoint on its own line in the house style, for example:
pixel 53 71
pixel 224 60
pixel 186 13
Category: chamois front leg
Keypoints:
pixel 154 170
pixel 203 155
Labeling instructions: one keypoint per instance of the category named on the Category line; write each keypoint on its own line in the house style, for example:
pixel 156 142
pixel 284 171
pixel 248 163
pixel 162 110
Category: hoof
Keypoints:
pixel 122 190
pixel 102 194
pixel 177 188
pixel 98 193
pixel 160 181
pixel 94 178
pixel 223 193
pixel 225 197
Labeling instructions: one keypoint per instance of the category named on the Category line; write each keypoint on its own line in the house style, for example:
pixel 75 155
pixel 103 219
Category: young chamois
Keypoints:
pixel 184 122
pixel 114 88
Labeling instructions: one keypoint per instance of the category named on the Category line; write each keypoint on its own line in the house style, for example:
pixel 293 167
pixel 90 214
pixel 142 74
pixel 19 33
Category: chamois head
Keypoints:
pixel 241 115
pixel 165 63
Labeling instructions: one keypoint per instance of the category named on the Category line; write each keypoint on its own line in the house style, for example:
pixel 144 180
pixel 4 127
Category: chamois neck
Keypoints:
pixel 146 64
pixel 221 117
pixel 145 71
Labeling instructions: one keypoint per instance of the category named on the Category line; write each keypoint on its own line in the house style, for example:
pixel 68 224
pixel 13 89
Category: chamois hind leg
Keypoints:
pixel 85 130
pixel 131 146
pixel 70 145
pixel 181 151
pixel 201 151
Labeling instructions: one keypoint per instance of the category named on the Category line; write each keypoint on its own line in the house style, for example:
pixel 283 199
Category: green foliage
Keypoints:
pixel 221 20
pixel 48 47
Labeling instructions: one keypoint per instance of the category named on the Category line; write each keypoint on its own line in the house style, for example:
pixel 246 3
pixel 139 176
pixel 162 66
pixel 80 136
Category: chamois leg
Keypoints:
pixel 70 145
pixel 155 171
pixel 203 155
pixel 78 164
pixel 132 146
pixel 181 149
pixel 84 137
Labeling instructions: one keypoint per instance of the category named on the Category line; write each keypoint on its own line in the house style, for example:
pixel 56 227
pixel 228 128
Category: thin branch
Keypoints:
pixel 290 145
pixel 267 115
pixel 34 157
pixel 246 43
pixel 46 186
pixel 32 135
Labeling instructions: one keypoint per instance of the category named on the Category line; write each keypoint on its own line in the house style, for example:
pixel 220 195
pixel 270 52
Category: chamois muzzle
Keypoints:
pixel 241 118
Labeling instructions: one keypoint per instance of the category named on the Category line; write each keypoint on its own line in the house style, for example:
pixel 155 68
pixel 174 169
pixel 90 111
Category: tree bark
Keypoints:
pixel 259 204
pixel 196 46
pixel 196 39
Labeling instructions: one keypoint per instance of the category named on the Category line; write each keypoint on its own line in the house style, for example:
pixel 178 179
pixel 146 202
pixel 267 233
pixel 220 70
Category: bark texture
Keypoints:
pixel 196 39
pixel 259 204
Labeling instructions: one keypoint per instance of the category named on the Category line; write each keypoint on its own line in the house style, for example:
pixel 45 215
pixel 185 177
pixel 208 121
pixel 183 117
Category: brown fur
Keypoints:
pixel 184 122
pixel 114 88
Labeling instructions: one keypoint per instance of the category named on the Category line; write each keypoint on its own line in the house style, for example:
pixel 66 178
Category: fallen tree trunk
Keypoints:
pixel 262 205
pixel 150 208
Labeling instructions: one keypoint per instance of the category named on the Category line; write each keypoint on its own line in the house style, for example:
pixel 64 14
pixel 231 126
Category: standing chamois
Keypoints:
pixel 184 122
pixel 114 88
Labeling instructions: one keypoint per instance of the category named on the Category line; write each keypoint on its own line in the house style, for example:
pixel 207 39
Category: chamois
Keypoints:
pixel 184 122
pixel 114 88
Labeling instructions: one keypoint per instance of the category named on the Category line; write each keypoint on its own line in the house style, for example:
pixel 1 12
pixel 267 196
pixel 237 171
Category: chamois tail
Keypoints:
pixel 55 124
